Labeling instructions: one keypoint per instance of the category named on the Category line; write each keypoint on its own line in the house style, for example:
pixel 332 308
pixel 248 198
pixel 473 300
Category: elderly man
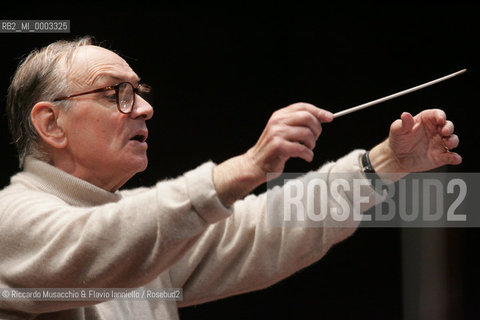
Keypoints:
pixel 78 119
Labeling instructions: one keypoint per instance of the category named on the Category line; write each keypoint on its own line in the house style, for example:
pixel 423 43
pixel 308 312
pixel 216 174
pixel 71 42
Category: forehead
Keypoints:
pixel 93 65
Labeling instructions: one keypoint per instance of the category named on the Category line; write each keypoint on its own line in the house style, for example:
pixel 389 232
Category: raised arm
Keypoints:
pixel 290 132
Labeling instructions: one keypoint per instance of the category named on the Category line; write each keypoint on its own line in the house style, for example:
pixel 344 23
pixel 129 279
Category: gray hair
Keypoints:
pixel 41 76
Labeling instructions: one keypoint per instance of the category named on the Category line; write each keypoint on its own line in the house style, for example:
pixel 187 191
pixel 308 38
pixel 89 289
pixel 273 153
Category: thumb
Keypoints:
pixel 403 125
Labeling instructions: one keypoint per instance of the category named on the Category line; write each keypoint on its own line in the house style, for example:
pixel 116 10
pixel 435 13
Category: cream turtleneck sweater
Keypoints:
pixel 57 231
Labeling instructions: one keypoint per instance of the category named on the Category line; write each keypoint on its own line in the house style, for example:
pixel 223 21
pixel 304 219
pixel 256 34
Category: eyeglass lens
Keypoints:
pixel 126 97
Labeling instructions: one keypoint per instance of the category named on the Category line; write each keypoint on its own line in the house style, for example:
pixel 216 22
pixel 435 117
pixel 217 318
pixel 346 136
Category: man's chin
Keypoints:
pixel 142 165
pixel 134 165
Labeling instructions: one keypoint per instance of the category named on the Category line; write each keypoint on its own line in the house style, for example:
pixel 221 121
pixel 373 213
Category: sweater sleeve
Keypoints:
pixel 246 252
pixel 46 243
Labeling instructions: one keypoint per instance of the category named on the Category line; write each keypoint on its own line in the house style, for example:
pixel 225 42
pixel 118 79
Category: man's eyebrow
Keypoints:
pixel 117 78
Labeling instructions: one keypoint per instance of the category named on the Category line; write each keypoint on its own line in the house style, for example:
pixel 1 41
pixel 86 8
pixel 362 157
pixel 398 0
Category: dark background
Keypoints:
pixel 218 75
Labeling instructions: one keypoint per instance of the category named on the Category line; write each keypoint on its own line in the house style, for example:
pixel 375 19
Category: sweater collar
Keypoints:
pixel 72 190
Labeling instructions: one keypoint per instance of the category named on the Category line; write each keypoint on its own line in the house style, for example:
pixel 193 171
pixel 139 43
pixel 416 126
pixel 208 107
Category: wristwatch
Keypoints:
pixel 371 174
pixel 367 165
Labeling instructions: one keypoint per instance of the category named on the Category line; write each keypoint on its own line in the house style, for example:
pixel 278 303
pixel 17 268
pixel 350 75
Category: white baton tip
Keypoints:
pixel 395 95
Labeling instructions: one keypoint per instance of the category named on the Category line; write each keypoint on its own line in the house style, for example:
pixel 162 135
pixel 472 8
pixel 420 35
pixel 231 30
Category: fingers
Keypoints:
pixel 440 116
pixel 436 121
pixel 437 118
pixel 407 121
pixel 290 132
pixel 452 158
pixel 447 129
pixel 296 150
pixel 451 142
pixel 300 122
pixel 403 125
pixel 433 116
pixel 320 114
pixel 301 135
pixel 305 119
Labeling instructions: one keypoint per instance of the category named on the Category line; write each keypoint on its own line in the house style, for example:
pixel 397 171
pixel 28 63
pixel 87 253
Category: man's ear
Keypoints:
pixel 44 117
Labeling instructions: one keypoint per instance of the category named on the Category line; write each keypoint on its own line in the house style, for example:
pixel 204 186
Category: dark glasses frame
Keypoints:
pixel 142 88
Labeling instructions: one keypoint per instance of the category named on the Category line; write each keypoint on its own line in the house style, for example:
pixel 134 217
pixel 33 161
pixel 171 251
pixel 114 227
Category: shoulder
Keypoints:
pixel 22 195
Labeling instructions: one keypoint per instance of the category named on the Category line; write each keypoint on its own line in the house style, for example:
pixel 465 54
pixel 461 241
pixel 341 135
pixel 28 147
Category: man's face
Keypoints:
pixel 107 147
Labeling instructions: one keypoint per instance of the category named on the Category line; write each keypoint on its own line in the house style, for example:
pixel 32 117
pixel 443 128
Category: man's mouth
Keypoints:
pixel 140 136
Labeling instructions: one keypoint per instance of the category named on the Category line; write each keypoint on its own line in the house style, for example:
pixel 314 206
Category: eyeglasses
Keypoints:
pixel 125 94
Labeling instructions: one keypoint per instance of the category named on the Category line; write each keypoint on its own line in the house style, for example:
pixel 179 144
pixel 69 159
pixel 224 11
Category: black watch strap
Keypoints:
pixel 370 172
pixel 366 164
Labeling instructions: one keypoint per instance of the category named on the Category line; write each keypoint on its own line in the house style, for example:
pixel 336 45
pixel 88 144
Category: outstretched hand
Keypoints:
pixel 414 144
pixel 417 144
pixel 291 132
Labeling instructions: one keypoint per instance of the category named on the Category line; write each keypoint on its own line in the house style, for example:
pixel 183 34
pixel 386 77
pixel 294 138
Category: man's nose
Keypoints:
pixel 141 109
